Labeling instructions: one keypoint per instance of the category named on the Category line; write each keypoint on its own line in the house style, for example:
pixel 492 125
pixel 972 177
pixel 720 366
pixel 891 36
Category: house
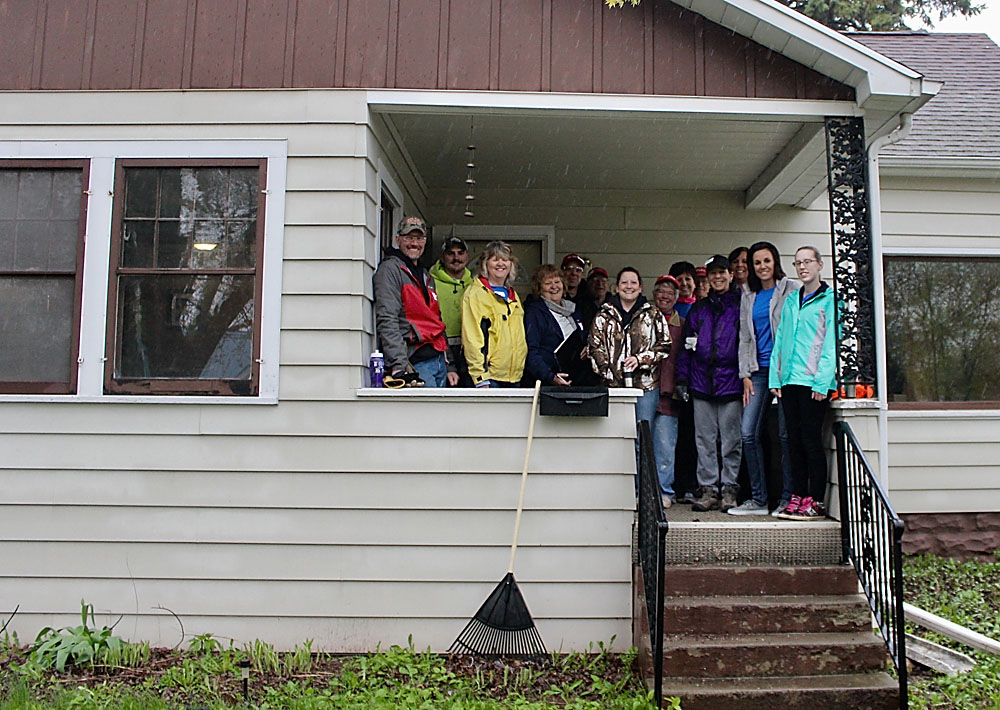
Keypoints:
pixel 192 211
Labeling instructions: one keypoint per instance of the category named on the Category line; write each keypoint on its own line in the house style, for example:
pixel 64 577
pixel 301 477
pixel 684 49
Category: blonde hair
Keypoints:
pixel 814 250
pixel 504 251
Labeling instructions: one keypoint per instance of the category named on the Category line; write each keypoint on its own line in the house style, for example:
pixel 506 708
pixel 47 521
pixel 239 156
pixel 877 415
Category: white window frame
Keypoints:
pixel 94 310
pixel 542 233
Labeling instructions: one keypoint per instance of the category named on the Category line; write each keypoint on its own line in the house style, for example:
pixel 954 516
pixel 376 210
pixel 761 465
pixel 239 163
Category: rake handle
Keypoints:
pixel 524 475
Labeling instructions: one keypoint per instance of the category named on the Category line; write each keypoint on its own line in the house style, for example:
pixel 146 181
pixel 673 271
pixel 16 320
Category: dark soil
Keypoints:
pixel 500 675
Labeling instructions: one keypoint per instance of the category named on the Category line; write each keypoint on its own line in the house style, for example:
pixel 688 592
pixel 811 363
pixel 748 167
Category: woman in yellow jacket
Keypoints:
pixel 493 321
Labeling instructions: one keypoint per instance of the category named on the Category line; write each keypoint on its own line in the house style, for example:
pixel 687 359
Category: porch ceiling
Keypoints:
pixel 592 151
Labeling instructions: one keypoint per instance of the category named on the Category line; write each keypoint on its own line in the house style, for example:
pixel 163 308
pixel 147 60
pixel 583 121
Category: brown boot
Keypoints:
pixel 728 498
pixel 707 499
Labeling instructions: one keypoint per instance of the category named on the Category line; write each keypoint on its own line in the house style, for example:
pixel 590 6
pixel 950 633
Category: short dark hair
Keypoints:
pixel 683 267
pixel 753 281
pixel 634 270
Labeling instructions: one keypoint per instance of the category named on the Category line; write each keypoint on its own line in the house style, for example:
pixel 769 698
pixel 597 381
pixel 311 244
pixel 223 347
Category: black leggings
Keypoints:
pixel 804 421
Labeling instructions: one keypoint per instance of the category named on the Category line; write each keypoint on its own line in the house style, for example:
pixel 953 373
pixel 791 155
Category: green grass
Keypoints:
pixel 967 593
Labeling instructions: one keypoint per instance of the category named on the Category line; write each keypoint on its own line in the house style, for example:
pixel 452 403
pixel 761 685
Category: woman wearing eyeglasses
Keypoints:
pixel 803 373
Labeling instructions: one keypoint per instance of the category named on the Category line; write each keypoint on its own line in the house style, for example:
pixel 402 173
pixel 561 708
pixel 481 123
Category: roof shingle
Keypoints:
pixel 963 120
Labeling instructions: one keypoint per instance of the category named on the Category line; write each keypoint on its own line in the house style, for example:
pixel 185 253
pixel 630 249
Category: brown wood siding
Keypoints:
pixel 515 45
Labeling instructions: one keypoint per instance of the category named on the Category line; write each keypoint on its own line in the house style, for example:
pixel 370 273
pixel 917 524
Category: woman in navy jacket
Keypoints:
pixel 550 320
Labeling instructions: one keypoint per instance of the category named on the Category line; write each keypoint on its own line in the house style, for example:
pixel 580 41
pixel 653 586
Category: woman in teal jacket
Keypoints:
pixel 803 373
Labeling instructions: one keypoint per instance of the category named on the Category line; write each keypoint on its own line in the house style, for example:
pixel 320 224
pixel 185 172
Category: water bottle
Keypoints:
pixel 376 369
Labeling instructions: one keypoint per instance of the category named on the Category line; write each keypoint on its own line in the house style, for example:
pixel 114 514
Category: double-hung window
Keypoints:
pixel 185 285
pixel 42 221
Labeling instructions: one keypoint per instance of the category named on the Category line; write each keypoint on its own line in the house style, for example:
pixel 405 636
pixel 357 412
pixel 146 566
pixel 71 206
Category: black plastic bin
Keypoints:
pixel 573 402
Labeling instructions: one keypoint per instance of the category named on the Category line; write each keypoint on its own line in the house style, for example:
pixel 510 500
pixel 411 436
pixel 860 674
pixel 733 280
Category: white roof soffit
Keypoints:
pixel 879 82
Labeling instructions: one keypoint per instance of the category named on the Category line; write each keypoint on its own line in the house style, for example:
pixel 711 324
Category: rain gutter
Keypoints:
pixel 878 277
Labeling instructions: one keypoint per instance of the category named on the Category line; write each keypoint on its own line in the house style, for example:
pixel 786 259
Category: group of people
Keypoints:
pixel 708 353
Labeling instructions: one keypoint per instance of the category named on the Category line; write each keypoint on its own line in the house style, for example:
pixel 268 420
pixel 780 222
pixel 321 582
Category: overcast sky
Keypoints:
pixel 987 21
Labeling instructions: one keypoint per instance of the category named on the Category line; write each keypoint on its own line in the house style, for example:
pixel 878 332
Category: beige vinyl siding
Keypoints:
pixel 351 521
pixel 943 461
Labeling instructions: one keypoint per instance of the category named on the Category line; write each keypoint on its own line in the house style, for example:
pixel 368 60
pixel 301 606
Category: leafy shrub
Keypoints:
pixel 74 646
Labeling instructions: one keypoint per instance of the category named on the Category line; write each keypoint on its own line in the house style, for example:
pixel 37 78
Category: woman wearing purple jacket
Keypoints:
pixel 708 371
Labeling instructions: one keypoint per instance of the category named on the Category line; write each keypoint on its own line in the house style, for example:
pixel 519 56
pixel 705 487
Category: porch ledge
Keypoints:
pixel 855 404
pixel 468 394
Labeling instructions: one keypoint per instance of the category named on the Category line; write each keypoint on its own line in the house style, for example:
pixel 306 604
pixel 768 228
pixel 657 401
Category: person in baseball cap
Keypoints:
pixel 577 291
pixel 451 278
pixel 597 282
pixel 665 422
pixel 407 316
pixel 701 281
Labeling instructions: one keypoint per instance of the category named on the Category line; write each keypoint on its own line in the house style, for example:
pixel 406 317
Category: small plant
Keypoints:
pixel 204 645
pixel 128 655
pixel 263 657
pixel 74 646
pixel 300 660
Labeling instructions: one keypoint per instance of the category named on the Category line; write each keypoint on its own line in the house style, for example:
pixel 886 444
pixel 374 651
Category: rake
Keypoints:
pixel 503 626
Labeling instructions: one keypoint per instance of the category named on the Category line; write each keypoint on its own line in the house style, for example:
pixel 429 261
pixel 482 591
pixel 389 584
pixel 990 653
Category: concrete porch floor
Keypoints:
pixel 719 538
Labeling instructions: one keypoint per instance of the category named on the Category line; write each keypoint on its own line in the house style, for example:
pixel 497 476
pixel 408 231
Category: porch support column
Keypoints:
pixel 851 233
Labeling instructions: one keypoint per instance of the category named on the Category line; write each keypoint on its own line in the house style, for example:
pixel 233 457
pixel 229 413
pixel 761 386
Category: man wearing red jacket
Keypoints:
pixel 408 321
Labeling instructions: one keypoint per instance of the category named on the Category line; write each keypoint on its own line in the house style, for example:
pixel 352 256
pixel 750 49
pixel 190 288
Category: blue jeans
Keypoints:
pixel 751 426
pixel 664 448
pixel 433 372
pixel 645 410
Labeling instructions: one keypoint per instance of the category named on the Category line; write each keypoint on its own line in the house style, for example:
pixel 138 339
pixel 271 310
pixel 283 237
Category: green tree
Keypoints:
pixel 862 15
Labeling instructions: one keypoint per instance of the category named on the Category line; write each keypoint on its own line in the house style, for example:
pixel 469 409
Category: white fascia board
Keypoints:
pixel 810 43
pixel 940 166
pixel 547 103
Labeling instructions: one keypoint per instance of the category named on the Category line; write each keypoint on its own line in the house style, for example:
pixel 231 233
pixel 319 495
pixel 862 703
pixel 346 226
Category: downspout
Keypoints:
pixel 878 276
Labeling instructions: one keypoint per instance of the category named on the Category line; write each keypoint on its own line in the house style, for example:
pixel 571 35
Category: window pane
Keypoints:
pixel 39 219
pixel 140 192
pixel 190 327
pixel 206 219
pixel 36 328
pixel 942 329
pixel 137 244
pixel 8 194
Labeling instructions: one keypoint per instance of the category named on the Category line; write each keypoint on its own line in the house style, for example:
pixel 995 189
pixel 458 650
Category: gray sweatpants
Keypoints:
pixel 713 421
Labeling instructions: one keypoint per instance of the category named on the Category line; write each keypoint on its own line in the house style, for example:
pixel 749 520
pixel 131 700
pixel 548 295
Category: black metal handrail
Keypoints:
pixel 652 551
pixel 872 535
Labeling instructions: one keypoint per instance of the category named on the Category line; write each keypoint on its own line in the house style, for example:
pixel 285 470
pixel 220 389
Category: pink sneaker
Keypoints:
pixel 791 509
pixel 808 510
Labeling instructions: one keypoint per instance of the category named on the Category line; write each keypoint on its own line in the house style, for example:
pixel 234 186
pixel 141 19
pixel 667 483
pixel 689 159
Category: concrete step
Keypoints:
pixel 763 655
pixel 718 538
pixel 701 580
pixel 859 691
pixel 766 614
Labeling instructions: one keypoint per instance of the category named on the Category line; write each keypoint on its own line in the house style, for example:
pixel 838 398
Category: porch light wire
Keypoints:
pixel 470 165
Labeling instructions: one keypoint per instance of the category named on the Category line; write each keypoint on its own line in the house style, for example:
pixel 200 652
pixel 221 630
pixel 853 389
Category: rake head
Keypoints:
pixel 502 628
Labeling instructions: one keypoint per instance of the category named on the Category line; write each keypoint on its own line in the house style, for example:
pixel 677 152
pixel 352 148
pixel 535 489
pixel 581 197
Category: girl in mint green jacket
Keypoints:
pixel 803 373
